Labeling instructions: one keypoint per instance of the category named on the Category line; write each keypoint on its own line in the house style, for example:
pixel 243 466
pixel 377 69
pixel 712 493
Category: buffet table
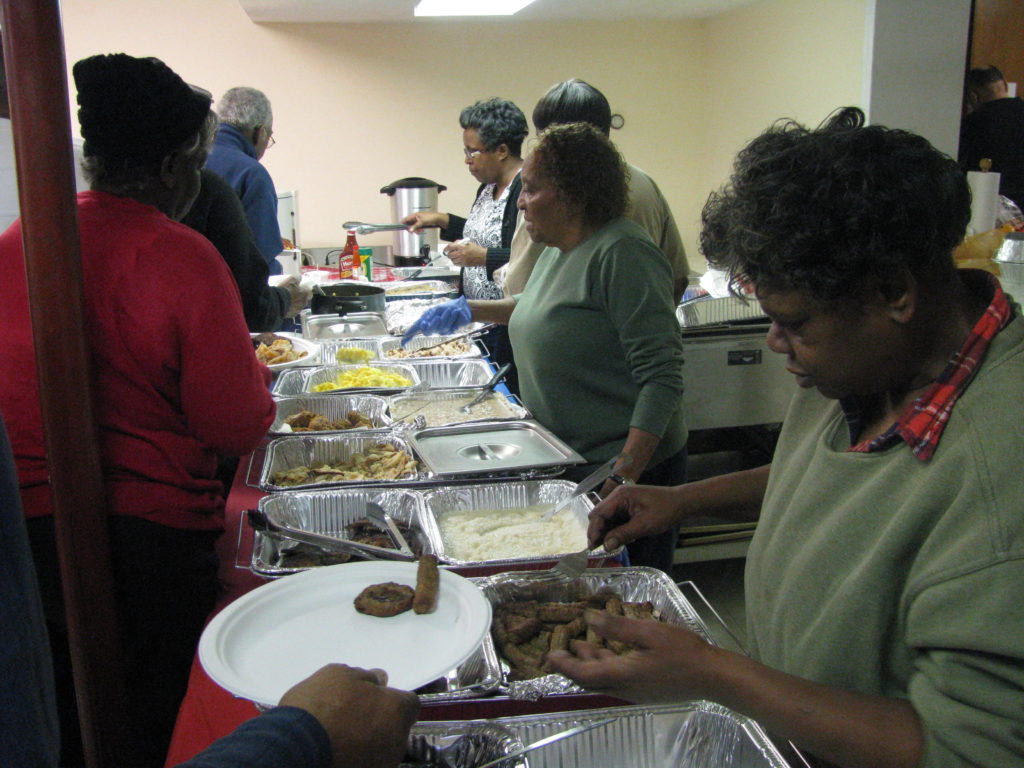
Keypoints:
pixel 209 712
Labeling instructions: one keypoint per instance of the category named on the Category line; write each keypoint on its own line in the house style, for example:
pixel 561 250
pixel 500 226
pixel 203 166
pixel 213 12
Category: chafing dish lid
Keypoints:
pixel 485 448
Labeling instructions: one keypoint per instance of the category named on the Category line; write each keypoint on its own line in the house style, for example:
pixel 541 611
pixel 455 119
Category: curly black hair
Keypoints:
pixel 587 169
pixel 837 210
pixel 497 121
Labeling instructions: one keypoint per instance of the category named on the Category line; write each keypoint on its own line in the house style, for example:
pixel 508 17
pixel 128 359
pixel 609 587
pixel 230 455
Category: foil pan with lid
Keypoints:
pixel 486 447
pixel 333 407
pixel 296 451
pixel 697 734
pixel 439 502
pixel 632 584
pixel 349 325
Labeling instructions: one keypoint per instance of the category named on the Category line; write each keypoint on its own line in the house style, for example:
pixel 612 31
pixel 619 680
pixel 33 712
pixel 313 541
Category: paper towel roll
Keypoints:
pixel 984 200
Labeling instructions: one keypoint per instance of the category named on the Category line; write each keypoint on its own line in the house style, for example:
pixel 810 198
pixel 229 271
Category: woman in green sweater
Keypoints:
pixel 884 618
pixel 594 333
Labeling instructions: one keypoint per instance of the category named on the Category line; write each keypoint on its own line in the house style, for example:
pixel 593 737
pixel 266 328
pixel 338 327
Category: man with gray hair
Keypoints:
pixel 246 132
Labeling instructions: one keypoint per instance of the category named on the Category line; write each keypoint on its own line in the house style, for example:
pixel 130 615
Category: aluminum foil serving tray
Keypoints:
pixel 389 344
pixel 333 407
pixel 453 373
pixel 329 513
pixel 696 734
pixel 445 404
pixel 470 744
pixel 632 584
pixel 301 381
pixel 379 346
pixel 403 290
pixel 311 450
pixel 506 495
pixel 294 451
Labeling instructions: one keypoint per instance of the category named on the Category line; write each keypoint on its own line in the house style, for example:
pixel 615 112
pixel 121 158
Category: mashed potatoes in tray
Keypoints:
pixel 500 534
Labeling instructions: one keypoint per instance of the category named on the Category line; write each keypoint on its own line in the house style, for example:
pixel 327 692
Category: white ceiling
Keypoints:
pixel 369 11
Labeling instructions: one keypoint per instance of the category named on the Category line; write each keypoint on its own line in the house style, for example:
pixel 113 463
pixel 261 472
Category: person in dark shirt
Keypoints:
pixel 218 214
pixel 994 129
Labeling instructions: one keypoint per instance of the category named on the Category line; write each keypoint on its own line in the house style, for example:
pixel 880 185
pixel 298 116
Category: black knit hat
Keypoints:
pixel 136 109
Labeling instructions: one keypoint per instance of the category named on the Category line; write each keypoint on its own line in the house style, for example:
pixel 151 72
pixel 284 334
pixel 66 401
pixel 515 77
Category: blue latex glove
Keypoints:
pixel 441 319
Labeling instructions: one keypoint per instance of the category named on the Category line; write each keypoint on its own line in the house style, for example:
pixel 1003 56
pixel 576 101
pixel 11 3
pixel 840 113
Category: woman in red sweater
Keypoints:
pixel 174 379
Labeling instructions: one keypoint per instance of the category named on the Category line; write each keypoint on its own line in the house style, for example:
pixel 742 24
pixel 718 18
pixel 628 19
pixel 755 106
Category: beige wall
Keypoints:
pixel 359 106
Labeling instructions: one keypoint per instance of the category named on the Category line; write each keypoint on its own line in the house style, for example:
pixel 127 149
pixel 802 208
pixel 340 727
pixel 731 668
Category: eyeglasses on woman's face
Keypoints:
pixel 471 154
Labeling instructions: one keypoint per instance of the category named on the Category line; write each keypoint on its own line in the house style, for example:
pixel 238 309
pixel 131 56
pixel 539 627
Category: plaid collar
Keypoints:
pixel 921 425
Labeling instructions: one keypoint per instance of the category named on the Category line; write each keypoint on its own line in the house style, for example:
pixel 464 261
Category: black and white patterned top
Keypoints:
pixel 483 227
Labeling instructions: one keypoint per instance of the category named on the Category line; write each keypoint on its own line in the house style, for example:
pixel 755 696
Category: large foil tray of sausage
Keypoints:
pixel 302 462
pixel 697 734
pixel 506 495
pixel 333 412
pixel 553 604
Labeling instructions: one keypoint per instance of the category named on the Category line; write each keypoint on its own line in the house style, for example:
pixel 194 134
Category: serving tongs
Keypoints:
pixel 589 483
pixel 467 335
pixel 362 228
pixel 375 514
pixel 265 524
pixel 488 388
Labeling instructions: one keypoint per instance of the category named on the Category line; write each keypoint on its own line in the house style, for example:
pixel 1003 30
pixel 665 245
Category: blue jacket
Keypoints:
pixel 233 158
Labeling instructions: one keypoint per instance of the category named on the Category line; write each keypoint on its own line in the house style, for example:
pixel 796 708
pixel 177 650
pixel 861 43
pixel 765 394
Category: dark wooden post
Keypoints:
pixel 37 85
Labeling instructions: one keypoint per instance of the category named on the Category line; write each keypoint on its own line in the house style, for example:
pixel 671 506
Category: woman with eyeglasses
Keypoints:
pixel 492 138
pixel 594 330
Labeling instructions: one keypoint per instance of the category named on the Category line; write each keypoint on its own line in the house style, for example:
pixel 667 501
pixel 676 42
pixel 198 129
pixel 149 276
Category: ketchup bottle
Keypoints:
pixel 348 263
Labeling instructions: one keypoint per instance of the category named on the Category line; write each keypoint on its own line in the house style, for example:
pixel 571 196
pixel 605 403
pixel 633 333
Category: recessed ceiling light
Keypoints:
pixel 469 7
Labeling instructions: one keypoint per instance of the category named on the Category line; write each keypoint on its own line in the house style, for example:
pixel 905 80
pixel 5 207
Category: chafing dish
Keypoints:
pixel 511 446
pixel 350 325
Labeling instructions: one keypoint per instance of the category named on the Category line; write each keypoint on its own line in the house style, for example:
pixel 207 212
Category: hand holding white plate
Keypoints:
pixel 282 632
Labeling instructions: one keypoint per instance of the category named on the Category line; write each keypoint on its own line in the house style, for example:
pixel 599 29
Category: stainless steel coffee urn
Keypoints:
pixel 412 195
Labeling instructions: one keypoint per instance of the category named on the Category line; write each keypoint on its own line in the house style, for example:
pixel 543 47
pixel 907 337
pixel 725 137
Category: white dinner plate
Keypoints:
pixel 299 344
pixel 280 633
